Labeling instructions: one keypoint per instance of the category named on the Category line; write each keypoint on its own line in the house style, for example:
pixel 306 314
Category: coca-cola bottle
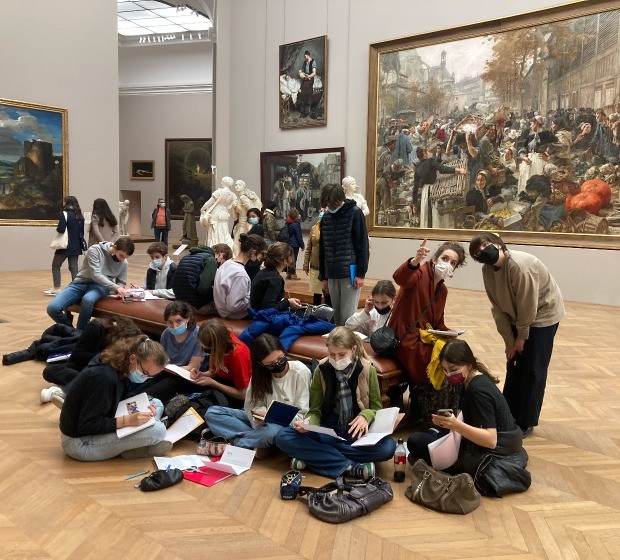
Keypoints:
pixel 400 461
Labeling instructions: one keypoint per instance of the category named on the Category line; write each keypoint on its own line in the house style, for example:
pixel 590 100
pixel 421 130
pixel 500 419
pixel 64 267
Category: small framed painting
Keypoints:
pixel 142 170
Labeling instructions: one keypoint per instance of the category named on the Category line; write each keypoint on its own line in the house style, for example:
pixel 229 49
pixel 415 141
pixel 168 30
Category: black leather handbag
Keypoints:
pixel 338 502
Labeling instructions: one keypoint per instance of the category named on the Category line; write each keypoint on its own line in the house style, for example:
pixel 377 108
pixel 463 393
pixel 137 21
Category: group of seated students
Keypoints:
pixel 114 360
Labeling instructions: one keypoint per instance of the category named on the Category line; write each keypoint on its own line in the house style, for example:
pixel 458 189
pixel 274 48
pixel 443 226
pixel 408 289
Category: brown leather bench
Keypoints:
pixel 149 316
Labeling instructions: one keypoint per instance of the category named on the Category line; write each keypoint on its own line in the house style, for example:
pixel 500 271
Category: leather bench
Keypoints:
pixel 149 316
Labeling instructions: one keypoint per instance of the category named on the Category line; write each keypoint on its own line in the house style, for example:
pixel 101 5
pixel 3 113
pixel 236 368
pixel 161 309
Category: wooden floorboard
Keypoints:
pixel 52 507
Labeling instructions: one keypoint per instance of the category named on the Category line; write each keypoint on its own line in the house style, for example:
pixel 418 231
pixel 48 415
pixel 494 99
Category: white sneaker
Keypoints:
pixel 46 394
pixel 53 292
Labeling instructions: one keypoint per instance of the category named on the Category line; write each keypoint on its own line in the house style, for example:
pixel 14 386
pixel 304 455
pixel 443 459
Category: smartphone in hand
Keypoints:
pixel 445 412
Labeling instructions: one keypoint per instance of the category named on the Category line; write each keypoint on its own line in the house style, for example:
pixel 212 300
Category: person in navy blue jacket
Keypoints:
pixel 295 240
pixel 74 225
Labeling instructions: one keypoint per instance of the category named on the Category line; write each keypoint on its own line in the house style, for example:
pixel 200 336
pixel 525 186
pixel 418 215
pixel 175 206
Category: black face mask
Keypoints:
pixel 278 367
pixel 489 255
pixel 115 258
pixel 383 311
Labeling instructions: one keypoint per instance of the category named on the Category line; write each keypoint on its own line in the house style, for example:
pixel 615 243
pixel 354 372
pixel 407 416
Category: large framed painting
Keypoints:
pixel 511 125
pixel 188 172
pixel 303 83
pixel 294 179
pixel 34 163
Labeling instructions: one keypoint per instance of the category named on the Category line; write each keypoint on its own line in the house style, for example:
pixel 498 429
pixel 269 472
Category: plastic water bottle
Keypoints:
pixel 400 461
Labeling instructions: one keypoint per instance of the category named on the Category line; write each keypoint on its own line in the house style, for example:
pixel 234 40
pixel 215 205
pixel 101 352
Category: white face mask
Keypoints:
pixel 344 363
pixel 443 270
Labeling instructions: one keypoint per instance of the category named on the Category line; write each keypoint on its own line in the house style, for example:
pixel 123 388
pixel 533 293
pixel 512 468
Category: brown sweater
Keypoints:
pixel 523 294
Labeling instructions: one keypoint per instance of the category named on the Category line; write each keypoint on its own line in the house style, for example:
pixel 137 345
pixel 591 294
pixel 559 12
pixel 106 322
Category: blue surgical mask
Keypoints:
pixel 333 211
pixel 321 215
pixel 178 331
pixel 253 221
pixel 162 204
pixel 137 376
pixel 157 262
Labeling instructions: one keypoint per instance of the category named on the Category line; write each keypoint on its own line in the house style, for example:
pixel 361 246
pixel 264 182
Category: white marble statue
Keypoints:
pixel 246 199
pixel 215 213
pixel 351 190
pixel 123 216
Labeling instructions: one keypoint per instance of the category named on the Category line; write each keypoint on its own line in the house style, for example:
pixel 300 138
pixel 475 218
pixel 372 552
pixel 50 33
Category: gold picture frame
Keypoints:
pixel 142 170
pixel 569 59
pixel 34 162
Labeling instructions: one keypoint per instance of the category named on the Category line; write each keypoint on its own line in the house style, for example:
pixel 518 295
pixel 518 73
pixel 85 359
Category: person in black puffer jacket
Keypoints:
pixel 193 279
pixel 343 251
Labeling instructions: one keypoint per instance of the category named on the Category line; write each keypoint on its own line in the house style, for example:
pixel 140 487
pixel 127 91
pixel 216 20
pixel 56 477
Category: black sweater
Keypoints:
pixel 268 290
pixel 90 404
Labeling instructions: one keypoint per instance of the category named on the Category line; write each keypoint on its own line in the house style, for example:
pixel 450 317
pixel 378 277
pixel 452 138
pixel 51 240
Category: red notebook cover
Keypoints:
pixel 206 476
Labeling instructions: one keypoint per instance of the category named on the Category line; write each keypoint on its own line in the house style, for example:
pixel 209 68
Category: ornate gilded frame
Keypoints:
pixel 490 29
pixel 40 178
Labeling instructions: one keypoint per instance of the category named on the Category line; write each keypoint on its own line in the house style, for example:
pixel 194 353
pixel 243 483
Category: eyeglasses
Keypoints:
pixel 275 365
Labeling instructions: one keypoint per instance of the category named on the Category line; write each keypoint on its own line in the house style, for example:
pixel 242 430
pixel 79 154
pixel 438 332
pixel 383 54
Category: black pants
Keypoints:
pixel 61 373
pixel 526 376
pixel 293 268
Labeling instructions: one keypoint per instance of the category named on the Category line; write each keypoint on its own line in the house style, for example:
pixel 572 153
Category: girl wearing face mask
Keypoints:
pixel 160 222
pixel 527 306
pixel 255 221
pixel 421 300
pixel 231 288
pixel 377 310
pixel 487 425
pixel 274 378
pixel 344 396
pixel 267 289
pixel 87 420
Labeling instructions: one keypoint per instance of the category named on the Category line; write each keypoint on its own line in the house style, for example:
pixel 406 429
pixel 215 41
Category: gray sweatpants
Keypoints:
pixel 345 298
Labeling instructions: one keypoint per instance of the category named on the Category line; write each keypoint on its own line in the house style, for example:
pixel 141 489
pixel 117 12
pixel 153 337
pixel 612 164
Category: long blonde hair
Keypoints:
pixel 343 337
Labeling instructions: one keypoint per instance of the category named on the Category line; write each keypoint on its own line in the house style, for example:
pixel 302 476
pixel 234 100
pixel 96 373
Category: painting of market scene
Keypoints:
pixel 515 131
pixel 33 174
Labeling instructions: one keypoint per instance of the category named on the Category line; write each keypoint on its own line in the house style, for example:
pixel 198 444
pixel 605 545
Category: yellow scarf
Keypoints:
pixel 433 369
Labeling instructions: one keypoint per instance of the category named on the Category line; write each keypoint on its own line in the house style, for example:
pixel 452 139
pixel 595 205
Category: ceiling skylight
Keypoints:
pixel 151 17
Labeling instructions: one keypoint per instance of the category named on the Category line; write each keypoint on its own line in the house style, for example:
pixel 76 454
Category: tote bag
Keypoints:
pixel 61 240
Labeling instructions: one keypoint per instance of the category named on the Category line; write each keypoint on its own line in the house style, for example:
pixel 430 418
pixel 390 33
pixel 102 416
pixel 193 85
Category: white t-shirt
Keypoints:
pixel 231 290
pixel 366 323
pixel 293 389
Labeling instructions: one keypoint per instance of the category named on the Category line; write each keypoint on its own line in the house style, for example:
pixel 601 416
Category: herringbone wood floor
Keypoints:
pixel 54 507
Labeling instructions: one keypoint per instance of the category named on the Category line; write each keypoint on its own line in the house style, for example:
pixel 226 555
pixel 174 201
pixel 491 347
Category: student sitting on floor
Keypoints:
pixel 377 310
pixel 268 286
pixel 97 336
pixel 87 420
pixel 274 378
pixel 160 274
pixel 103 271
pixel 344 395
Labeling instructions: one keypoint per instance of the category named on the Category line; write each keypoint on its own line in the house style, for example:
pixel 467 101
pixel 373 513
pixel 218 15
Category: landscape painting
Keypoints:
pixel 34 173
pixel 510 125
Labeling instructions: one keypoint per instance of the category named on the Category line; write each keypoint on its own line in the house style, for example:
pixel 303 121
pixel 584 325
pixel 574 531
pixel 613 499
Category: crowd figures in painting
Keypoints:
pixel 293 180
pixel 517 131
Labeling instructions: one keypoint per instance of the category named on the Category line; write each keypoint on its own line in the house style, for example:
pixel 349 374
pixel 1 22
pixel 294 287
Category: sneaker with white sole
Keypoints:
pixel 58 399
pixel 157 450
pixel 298 464
pixel 53 292
pixel 46 394
pixel 361 470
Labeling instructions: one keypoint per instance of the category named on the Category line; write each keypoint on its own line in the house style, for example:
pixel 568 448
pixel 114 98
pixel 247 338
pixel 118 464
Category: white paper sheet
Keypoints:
pixel 182 462
pixel 133 405
pixel 447 333
pixel 322 430
pixel 445 451
pixel 178 370
pixel 180 250
pixel 234 460
pixel 383 425
pixel 189 421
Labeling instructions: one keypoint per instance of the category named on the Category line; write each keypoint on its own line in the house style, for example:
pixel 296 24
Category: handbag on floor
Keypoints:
pixel 442 492
pixel 338 502
pixel 210 445
pixel 61 240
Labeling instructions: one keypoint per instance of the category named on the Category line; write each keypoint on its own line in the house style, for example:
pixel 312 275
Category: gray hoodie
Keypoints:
pixel 100 267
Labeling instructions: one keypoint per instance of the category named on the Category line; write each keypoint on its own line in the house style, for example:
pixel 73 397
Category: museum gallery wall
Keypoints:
pixel 512 126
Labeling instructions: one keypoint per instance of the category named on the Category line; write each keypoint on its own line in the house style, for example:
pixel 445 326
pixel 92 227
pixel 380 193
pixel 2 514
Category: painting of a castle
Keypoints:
pixel 33 174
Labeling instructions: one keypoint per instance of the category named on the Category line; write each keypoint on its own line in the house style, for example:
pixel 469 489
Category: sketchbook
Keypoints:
pixel 133 405
pixel 178 370
pixel 445 451
pixel 278 413
pixel 189 421
pixel 385 421
pixel 234 460
pixel 451 334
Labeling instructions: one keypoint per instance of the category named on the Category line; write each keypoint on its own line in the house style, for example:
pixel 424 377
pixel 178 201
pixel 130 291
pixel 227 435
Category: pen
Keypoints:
pixel 137 474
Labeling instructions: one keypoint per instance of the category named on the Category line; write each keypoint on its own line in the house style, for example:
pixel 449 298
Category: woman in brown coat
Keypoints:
pixel 422 299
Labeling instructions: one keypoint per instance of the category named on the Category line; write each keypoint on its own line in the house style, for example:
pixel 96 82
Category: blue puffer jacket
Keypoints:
pixel 286 326
pixel 295 237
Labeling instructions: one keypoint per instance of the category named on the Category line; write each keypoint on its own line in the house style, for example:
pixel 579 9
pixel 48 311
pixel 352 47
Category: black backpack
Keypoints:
pixel 200 402
pixel 283 235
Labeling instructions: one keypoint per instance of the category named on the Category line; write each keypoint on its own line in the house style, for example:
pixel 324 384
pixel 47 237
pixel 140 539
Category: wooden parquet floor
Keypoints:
pixel 52 507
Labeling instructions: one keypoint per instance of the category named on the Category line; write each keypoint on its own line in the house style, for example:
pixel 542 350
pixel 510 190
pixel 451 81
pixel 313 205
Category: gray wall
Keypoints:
pixel 55 55
pixel 250 32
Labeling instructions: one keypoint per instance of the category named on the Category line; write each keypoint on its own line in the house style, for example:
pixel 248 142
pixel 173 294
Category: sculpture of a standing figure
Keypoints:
pixel 190 237
pixel 351 190
pixel 215 213
pixel 246 199
pixel 123 216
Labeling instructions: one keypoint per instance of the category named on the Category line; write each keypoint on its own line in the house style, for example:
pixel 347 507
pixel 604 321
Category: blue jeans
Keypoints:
pixel 232 423
pixel 329 456
pixel 105 446
pixel 84 293
pixel 161 234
